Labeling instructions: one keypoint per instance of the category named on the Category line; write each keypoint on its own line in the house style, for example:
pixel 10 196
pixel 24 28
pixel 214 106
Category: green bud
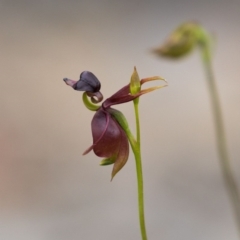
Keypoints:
pixel 181 42
pixel 135 85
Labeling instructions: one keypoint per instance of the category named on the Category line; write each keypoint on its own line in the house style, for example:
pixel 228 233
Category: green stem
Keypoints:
pixel 137 154
pixel 227 172
pixel 135 145
pixel 135 102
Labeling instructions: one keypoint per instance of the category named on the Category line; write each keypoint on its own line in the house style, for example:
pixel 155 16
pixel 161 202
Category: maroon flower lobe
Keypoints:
pixel 109 140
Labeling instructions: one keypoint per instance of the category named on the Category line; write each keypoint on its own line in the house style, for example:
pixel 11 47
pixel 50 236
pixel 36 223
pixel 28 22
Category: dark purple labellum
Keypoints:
pixel 88 82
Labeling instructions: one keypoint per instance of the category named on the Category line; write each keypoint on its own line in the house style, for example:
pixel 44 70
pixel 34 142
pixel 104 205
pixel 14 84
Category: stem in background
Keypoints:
pixel 227 172
pixel 137 154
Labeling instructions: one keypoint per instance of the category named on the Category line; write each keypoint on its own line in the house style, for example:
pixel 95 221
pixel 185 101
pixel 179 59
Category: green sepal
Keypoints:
pixel 120 118
pixel 107 161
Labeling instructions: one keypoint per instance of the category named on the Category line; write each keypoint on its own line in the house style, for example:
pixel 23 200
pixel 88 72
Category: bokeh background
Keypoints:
pixel 48 190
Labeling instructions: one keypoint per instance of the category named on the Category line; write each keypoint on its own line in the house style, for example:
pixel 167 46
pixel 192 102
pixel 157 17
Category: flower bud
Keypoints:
pixel 180 42
pixel 135 85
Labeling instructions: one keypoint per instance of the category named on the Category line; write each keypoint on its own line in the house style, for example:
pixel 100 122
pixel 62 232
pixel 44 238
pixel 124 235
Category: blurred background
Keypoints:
pixel 48 190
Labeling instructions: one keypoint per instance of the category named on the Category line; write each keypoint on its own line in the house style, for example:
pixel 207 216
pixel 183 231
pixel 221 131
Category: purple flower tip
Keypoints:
pixel 88 82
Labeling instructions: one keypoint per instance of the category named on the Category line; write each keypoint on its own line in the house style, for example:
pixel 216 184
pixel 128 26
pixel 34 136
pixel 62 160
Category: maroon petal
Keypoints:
pixel 122 155
pixel 106 134
pixel 109 140
pixel 122 96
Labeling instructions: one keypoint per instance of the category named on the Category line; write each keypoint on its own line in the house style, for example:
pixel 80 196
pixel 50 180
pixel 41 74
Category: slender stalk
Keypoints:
pixel 135 102
pixel 135 145
pixel 227 172
pixel 137 154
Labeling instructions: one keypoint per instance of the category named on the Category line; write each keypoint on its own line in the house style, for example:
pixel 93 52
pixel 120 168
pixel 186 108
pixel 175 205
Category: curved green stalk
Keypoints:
pixel 227 172
pixel 88 104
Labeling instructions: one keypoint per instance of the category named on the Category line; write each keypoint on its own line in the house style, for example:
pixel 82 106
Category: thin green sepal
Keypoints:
pixel 107 161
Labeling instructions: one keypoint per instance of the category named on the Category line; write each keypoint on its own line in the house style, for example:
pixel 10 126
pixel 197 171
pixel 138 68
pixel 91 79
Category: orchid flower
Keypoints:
pixel 110 131
pixel 109 138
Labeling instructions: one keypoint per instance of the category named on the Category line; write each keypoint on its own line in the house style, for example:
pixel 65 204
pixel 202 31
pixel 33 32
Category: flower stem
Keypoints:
pixel 135 145
pixel 137 154
pixel 227 172
pixel 135 102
